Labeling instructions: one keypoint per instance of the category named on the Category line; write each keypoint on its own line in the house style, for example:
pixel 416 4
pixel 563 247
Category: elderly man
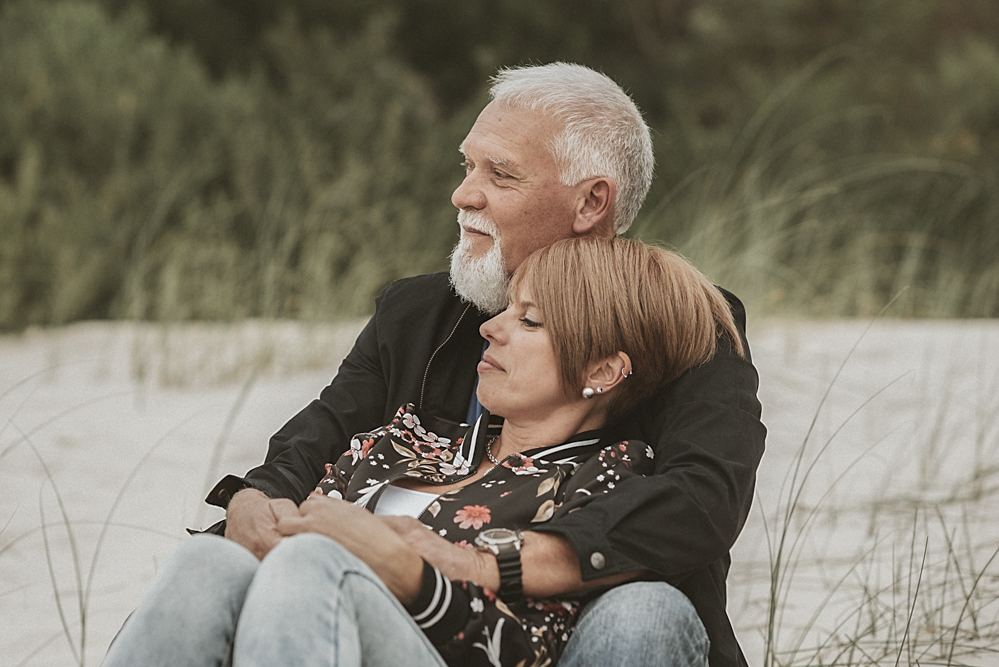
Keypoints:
pixel 560 151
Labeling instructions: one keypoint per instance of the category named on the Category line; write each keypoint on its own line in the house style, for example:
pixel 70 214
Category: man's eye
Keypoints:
pixel 530 324
pixel 466 166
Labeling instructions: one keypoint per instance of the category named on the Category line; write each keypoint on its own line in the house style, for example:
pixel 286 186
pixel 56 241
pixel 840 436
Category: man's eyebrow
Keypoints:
pixel 492 159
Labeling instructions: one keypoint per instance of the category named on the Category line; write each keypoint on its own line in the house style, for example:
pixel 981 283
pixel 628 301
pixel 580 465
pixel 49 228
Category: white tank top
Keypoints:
pixel 397 501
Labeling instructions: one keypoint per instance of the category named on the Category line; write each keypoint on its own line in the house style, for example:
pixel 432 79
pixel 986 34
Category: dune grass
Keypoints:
pixel 865 546
pixel 901 571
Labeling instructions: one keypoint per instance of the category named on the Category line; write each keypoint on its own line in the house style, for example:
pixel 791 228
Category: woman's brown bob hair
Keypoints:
pixel 601 296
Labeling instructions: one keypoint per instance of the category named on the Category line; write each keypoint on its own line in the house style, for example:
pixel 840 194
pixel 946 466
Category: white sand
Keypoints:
pixel 133 414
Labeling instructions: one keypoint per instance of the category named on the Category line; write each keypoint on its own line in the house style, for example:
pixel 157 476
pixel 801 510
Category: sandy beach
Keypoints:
pixel 871 538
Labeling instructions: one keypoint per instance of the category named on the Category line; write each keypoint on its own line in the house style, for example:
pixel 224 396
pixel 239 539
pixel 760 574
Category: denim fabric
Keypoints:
pixel 314 604
pixel 642 623
pixel 309 602
pixel 188 615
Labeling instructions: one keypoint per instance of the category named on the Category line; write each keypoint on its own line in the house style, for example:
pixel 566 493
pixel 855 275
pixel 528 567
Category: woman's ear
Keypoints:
pixel 604 375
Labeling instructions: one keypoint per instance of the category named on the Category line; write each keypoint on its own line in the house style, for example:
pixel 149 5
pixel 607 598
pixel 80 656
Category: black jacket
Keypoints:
pixel 422 346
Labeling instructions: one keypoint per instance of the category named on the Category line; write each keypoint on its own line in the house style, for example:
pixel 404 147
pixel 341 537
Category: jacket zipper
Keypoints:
pixel 426 373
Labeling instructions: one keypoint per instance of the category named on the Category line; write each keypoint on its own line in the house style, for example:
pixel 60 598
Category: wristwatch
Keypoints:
pixel 505 545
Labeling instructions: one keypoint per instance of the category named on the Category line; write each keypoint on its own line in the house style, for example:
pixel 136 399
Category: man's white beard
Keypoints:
pixel 479 280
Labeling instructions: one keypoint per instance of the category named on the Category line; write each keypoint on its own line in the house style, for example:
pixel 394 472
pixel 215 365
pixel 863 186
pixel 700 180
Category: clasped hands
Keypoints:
pixel 393 546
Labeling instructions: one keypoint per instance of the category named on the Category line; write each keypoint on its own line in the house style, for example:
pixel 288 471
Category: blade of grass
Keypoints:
pixel 52 578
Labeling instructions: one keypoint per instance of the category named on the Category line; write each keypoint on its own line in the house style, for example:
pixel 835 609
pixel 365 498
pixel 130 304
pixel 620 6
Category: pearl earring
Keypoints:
pixel 600 390
pixel 588 392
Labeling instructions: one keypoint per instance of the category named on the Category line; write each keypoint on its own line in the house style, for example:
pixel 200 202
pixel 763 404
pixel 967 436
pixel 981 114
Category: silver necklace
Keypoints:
pixel 489 450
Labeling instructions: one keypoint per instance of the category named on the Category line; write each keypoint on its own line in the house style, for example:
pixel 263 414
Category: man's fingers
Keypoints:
pixel 292 525
pixel 281 507
pixel 251 520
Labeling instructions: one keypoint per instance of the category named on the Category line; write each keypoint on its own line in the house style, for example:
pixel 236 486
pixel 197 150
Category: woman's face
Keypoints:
pixel 518 375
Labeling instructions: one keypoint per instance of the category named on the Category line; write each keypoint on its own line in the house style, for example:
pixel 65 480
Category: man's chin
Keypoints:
pixel 480 280
pixel 476 246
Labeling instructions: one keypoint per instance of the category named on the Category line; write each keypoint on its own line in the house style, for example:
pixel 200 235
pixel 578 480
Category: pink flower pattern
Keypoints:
pixel 511 495
pixel 472 516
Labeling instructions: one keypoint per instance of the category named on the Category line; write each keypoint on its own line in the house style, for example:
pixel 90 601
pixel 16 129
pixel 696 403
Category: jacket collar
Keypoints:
pixel 575 450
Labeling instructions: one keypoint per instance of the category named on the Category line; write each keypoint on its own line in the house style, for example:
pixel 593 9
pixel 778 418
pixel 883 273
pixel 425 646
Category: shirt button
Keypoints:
pixel 597 560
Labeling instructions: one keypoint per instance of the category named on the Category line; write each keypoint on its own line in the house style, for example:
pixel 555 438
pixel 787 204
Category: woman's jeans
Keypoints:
pixel 310 602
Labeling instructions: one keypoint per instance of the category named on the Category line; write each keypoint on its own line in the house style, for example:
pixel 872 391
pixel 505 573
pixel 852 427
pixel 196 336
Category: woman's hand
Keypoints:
pixel 362 534
pixel 454 562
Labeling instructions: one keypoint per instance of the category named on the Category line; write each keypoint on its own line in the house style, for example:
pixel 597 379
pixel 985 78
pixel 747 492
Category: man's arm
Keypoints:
pixel 298 453
pixel 386 368
pixel 548 562
pixel 707 437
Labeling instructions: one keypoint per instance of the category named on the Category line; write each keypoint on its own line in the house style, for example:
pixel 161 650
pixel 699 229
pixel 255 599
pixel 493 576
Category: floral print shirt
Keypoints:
pixel 469 624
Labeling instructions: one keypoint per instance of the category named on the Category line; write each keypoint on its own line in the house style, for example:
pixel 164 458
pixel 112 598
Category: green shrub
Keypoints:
pixel 215 160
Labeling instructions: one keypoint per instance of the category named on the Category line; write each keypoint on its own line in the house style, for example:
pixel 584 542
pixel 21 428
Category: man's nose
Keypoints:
pixel 469 195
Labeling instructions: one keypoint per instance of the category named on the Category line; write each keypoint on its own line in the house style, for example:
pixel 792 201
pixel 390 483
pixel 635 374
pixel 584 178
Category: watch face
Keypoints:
pixel 497 537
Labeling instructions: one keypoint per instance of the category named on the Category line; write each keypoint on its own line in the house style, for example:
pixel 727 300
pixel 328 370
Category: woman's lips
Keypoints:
pixel 488 364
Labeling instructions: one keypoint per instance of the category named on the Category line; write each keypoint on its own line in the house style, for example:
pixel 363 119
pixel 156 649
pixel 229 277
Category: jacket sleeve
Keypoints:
pixel 471 627
pixel 707 439
pixel 352 403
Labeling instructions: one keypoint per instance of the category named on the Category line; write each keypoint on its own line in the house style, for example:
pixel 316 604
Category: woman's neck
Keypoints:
pixel 524 434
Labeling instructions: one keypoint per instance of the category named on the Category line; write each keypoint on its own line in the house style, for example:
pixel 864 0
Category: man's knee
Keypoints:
pixel 640 621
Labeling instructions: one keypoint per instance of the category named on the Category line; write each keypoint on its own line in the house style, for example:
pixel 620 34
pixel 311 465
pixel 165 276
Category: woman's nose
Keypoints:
pixel 486 328
pixel 492 328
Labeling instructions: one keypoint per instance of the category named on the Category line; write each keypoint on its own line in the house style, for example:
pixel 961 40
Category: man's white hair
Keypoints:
pixel 603 131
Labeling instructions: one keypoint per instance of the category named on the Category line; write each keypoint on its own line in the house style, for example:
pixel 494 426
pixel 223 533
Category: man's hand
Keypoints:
pixel 362 533
pixel 251 520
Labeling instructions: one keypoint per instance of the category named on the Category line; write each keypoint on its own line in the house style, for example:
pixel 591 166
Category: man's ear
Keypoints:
pixel 608 373
pixel 595 212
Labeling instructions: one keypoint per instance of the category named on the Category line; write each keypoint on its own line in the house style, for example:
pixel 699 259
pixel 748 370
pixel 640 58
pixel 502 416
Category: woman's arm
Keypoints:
pixel 549 563
pixel 466 621
pixel 398 565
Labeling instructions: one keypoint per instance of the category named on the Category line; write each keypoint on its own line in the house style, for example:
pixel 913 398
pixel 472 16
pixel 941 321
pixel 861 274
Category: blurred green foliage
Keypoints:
pixel 220 159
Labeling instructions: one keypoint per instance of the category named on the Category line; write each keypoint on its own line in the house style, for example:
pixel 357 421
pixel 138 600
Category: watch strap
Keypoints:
pixel 511 573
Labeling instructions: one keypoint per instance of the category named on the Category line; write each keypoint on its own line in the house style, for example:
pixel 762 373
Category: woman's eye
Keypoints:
pixel 529 323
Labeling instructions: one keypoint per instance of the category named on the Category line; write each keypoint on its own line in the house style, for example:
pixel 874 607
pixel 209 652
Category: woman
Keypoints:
pixel 592 328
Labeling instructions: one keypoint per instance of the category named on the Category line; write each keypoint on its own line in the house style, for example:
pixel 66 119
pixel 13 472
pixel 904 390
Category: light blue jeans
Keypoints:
pixel 310 602
pixel 644 623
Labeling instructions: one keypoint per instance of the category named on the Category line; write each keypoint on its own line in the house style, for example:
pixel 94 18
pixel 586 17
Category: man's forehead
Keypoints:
pixel 506 135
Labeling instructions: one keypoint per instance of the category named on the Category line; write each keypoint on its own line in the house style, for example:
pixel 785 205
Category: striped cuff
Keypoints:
pixel 441 609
